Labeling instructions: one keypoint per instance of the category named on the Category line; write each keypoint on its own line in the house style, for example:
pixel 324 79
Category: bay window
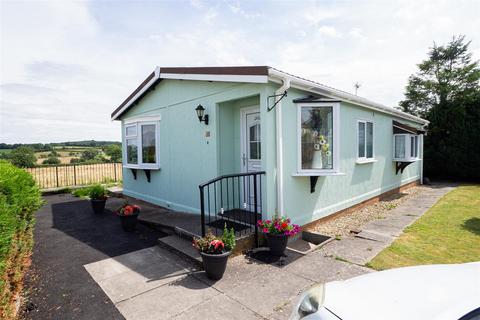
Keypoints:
pixel 405 147
pixel 365 141
pixel 318 127
pixel 141 147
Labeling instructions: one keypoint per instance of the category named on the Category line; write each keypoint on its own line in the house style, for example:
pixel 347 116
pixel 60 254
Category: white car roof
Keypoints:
pixel 435 292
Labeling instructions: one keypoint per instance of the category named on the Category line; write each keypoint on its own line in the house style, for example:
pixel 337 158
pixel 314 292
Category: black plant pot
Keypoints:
pixel 98 205
pixel 129 222
pixel 215 264
pixel 277 243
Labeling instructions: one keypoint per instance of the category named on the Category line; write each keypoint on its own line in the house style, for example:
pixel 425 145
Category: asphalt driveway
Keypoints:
pixel 67 236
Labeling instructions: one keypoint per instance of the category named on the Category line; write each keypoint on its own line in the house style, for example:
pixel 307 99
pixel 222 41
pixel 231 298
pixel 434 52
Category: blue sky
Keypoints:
pixel 66 65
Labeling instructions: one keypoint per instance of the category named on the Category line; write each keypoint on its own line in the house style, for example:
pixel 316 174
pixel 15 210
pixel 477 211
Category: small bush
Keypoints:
pixel 98 192
pixel 228 238
pixel 82 192
pixel 19 198
pixel 51 160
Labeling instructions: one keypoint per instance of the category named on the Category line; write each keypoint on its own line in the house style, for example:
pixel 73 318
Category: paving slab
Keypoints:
pixel 354 250
pixel 375 236
pixel 239 270
pixel 167 301
pixel 220 307
pixel 266 292
pixel 321 268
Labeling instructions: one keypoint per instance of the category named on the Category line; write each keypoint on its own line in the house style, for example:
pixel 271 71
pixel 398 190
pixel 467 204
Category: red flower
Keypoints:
pixel 217 244
pixel 284 225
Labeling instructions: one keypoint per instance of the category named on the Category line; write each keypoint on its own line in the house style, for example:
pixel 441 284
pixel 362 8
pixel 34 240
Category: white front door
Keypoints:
pixel 251 152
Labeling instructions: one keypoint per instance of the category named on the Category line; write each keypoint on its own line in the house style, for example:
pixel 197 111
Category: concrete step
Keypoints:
pixel 185 234
pixel 181 247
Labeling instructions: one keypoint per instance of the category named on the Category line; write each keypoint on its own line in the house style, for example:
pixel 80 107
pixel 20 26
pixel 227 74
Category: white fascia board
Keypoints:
pixel 306 85
pixel 139 93
pixel 216 77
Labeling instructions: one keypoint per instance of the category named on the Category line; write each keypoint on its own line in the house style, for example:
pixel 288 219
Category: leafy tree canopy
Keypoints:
pixel 449 74
pixel 114 151
pixel 23 157
pixel 446 91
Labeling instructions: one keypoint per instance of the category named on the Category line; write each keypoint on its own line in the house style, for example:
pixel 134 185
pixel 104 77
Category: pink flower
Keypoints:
pixel 217 244
pixel 265 230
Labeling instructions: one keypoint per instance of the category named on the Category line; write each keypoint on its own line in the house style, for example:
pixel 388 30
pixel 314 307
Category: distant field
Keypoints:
pixel 64 153
pixel 81 174
pixel 5 150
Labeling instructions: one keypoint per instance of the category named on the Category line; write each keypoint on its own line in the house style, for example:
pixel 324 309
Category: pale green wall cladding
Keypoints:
pixel 360 182
pixel 188 158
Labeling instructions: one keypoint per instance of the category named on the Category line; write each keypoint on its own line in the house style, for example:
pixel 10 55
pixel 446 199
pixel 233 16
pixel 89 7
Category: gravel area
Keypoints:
pixel 343 225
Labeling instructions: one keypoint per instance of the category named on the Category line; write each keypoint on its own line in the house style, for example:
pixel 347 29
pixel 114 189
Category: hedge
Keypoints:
pixel 19 198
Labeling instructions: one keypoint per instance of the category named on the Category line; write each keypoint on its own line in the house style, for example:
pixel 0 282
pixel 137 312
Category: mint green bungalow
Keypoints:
pixel 239 143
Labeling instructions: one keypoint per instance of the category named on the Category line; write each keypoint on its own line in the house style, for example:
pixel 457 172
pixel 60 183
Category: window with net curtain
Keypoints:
pixel 365 140
pixel 316 138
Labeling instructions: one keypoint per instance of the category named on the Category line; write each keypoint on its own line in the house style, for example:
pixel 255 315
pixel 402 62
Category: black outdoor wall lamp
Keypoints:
pixel 201 114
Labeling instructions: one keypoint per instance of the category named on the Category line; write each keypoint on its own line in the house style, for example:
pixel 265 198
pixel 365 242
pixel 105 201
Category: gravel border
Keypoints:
pixel 344 225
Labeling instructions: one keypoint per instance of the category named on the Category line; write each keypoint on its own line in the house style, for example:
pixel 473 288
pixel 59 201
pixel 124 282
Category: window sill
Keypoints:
pixel 363 161
pixel 317 174
pixel 406 159
pixel 141 167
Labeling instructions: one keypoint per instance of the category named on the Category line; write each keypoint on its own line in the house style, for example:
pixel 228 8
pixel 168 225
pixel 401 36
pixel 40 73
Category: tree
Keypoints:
pixel 23 157
pixel 89 154
pixel 114 151
pixel 51 160
pixel 446 91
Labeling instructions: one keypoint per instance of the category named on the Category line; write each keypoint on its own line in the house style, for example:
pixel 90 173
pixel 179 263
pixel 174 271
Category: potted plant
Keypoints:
pixel 215 252
pixel 277 232
pixel 128 216
pixel 98 197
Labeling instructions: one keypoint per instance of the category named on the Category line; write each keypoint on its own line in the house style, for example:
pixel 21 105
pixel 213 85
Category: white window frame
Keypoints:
pixel 408 147
pixel 138 123
pixel 365 159
pixel 336 140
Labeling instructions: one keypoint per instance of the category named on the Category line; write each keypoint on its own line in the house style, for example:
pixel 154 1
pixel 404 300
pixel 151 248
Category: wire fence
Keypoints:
pixel 76 174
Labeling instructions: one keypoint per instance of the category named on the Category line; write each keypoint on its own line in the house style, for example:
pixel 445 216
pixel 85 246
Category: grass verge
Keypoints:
pixel 448 233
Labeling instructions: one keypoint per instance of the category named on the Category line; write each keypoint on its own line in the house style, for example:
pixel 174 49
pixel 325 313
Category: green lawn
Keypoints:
pixel 448 233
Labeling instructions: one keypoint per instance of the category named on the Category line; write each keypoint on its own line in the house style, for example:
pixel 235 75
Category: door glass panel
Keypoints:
pixel 254 144
pixel 148 143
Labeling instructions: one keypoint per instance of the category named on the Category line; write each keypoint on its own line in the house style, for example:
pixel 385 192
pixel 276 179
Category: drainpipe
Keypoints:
pixel 279 137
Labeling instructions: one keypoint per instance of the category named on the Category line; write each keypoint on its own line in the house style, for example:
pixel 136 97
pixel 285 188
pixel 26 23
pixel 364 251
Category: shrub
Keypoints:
pixel 23 157
pixel 98 192
pixel 228 238
pixel 82 192
pixel 19 198
pixel 51 160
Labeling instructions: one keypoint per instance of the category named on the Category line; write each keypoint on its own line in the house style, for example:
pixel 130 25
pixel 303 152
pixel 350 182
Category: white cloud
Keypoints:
pixel 329 31
pixel 66 65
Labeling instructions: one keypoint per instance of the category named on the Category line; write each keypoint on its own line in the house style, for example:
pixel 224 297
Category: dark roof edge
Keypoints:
pixel 240 71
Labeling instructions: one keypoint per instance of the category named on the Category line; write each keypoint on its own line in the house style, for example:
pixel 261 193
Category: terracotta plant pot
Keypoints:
pixel 129 222
pixel 215 264
pixel 98 205
pixel 277 243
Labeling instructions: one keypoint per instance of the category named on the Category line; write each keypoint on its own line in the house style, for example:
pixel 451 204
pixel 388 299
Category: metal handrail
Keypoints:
pixel 233 175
